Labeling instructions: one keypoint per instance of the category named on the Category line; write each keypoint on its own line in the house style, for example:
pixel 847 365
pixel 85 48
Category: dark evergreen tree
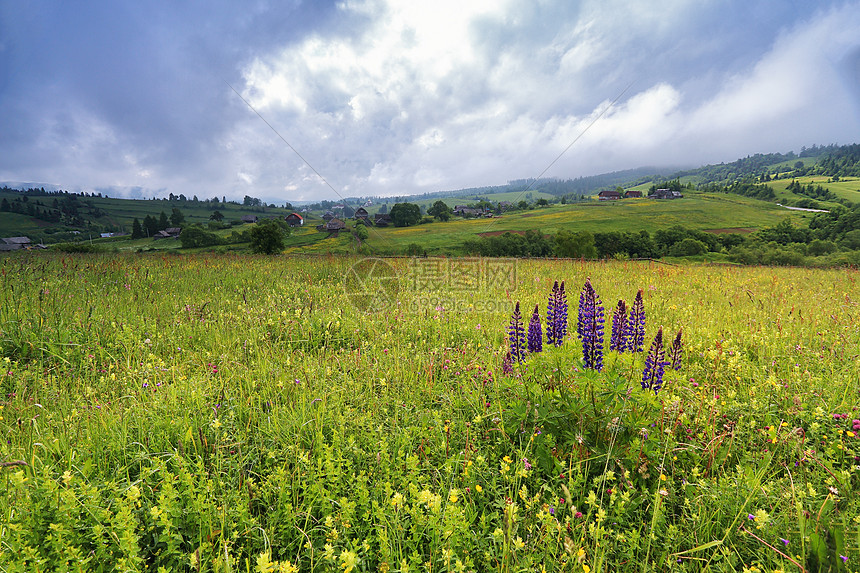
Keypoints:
pixel 136 230
pixel 150 225
pixel 176 217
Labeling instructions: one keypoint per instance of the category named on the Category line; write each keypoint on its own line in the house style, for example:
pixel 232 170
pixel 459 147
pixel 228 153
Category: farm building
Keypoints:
pixel 249 218
pixel 361 214
pixel 633 193
pixel 168 233
pixel 382 220
pixel 609 195
pixel 665 194
pixel 328 216
pixel 14 243
pixel 333 226
pixel 294 220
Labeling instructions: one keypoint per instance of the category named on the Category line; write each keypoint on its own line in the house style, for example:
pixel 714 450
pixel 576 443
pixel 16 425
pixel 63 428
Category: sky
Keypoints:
pixel 306 100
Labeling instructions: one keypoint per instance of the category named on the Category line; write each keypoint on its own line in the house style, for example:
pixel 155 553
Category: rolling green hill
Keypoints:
pixel 718 206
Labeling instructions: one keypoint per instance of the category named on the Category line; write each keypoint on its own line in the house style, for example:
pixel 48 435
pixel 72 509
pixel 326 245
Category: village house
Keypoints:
pixel 633 193
pixel 294 220
pixel 249 218
pixel 333 226
pixel 361 214
pixel 609 195
pixel 14 243
pixel 665 194
pixel 328 216
pixel 464 211
pixel 382 220
pixel 168 233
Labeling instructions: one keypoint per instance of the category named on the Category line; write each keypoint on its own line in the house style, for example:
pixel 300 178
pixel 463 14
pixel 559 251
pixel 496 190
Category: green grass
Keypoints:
pixel 219 413
pixel 697 211
pixel 847 188
pixel 120 213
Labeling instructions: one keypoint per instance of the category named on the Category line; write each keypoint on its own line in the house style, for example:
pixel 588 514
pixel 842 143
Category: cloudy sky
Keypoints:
pixel 393 97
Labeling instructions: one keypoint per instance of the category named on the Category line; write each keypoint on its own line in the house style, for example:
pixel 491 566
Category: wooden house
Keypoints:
pixel 609 195
pixel 633 193
pixel 14 243
pixel 665 194
pixel 361 214
pixel 333 226
pixel 294 220
pixel 382 220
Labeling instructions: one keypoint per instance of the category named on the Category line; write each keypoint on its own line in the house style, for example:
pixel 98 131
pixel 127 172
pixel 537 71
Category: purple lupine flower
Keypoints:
pixel 635 327
pixel 676 350
pixel 535 334
pixel 617 340
pixel 507 364
pixel 655 364
pixel 517 335
pixel 556 315
pixel 589 327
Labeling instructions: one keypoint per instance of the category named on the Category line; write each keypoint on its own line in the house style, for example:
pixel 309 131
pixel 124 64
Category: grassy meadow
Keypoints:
pixel 239 413
pixel 705 211
pixel 846 188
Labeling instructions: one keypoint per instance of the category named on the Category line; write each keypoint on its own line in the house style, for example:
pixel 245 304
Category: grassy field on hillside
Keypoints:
pixel 847 188
pixel 237 413
pixel 696 211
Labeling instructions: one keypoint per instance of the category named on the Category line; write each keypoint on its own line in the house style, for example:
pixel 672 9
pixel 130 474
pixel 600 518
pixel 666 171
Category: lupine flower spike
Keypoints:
pixel 635 327
pixel 556 315
pixel 507 364
pixel 535 334
pixel 517 336
pixel 561 313
pixel 655 364
pixel 617 340
pixel 676 351
pixel 590 327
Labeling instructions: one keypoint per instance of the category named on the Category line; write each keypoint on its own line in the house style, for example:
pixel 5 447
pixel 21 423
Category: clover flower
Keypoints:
pixel 618 340
pixel 535 334
pixel 676 351
pixel 655 364
pixel 589 327
pixel 635 327
pixel 517 336
pixel 556 315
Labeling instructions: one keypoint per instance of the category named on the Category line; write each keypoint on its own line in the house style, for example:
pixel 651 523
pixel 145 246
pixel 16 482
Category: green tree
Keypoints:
pixel 688 247
pixel 136 230
pixel 405 214
pixel 163 221
pixel 440 210
pixel 177 218
pixel 575 245
pixel 217 216
pixel 196 236
pixel 267 237
pixel 150 225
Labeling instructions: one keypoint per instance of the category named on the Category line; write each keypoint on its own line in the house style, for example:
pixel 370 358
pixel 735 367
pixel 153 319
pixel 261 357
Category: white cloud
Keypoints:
pixel 397 96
